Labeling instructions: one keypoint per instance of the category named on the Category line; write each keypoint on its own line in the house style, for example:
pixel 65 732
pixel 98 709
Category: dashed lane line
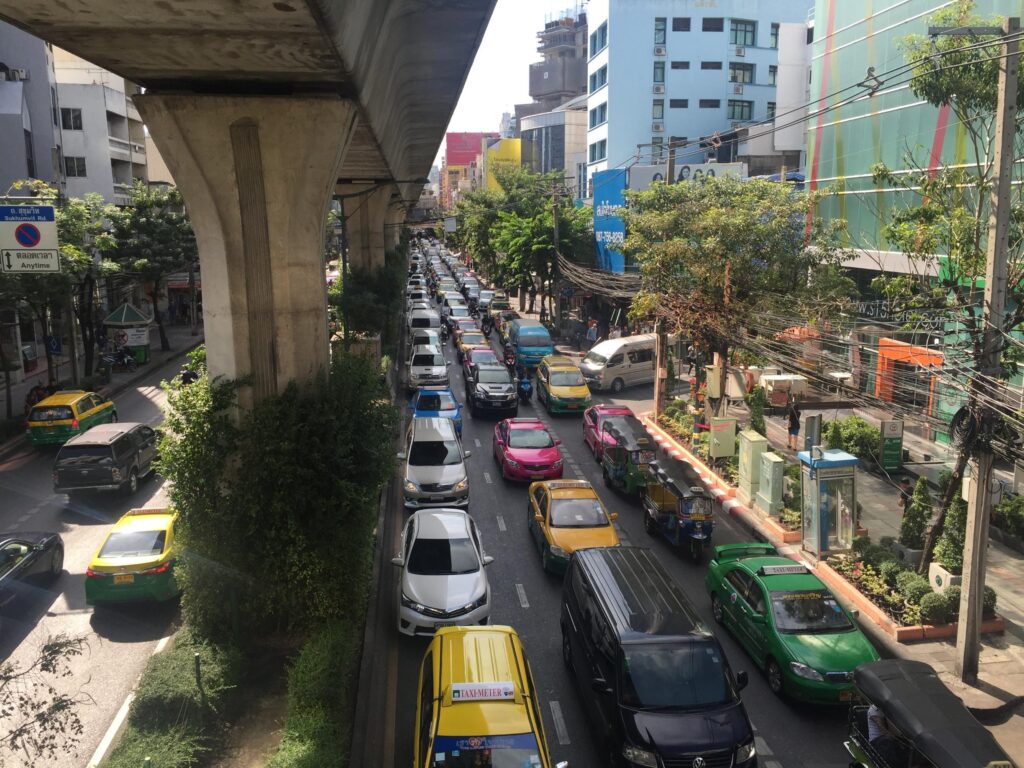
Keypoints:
pixel 521 591
pixel 487 478
pixel 476 442
pixel 560 730
pixel 501 524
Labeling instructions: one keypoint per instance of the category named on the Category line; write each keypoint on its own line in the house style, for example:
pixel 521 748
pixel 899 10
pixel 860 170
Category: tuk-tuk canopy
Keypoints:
pixel 628 432
pixel 930 717
pixel 683 484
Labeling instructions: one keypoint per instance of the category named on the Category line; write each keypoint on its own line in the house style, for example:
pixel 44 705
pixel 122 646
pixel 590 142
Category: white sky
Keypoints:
pixel 499 78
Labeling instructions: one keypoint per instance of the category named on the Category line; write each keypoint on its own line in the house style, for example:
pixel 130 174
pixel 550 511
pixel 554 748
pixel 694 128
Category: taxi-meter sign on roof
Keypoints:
pixel 28 239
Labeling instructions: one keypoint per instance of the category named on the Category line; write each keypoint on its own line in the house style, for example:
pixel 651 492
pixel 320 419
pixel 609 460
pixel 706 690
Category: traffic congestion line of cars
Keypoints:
pixel 655 681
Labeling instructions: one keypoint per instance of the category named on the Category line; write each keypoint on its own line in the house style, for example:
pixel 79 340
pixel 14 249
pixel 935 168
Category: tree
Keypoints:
pixel 714 254
pixel 37 721
pixel 916 516
pixel 939 220
pixel 153 239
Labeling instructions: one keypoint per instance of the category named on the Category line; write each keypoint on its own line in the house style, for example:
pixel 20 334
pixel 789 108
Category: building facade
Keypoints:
pixel 30 143
pixel 104 138
pixel 556 141
pixel 561 75
pixel 663 70
pixel 460 151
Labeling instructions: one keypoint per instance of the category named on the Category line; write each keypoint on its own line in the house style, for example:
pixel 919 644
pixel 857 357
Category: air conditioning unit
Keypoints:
pixel 737 88
pixel 741 51
pixel 659 88
pixel 14 75
pixel 657 127
pixel 737 123
pixel 659 50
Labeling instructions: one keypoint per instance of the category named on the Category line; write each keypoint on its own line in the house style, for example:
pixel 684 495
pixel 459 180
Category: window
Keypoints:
pixel 599 79
pixel 773 75
pixel 599 114
pixel 680 65
pixel 709 104
pixel 598 150
pixel 53 105
pixel 741 73
pixel 742 32
pixel 74 166
pixel 711 65
pixel 659 71
pixel 681 24
pixel 658 109
pixel 71 118
pixel 740 110
pixel 659 31
pixel 713 25
pixel 657 148
pixel 599 39
pixel 771 110
pixel 678 103
pixel 773 38
pixel 30 158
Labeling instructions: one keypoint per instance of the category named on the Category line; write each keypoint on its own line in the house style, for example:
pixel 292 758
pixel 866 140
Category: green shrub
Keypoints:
pixel 912 586
pixel 876 554
pixel 833 435
pixel 952 598
pixel 916 516
pixel 887 541
pixel 860 544
pixel 949 549
pixel 167 694
pixel 854 435
pixel 889 570
pixel 320 683
pixel 756 401
pixel 1008 515
pixel 988 601
pixel 176 747
pixel 933 609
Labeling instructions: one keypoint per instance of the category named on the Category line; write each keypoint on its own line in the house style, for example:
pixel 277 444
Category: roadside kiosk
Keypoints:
pixel 129 326
pixel 829 513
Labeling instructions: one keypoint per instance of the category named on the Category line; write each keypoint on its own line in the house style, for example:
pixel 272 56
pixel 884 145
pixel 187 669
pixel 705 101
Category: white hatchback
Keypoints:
pixel 444 581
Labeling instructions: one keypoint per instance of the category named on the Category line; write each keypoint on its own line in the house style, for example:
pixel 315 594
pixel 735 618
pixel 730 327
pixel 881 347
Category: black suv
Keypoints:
pixel 655 682
pixel 108 457
pixel 492 390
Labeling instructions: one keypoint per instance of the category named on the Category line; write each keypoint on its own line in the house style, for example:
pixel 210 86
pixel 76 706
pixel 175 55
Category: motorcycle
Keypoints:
pixel 121 357
pixel 525 389
pixel 444 333
pixel 486 327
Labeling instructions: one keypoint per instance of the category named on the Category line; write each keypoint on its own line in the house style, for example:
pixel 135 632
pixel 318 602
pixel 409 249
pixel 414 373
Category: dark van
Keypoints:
pixel 655 682
pixel 108 457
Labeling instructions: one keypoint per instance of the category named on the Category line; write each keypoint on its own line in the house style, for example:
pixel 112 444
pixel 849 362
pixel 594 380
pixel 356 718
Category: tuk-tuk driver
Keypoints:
pixel 885 738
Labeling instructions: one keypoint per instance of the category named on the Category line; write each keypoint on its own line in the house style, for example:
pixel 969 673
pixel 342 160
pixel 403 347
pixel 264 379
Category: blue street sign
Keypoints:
pixel 53 344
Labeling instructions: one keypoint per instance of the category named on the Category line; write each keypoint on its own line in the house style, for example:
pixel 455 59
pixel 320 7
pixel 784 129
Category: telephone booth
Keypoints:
pixel 829 514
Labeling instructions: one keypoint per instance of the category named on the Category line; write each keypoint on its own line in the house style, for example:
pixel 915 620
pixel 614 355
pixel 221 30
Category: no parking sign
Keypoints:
pixel 28 238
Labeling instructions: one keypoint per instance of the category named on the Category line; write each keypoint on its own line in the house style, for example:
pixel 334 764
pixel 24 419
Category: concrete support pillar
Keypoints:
pixel 257 175
pixel 393 227
pixel 365 208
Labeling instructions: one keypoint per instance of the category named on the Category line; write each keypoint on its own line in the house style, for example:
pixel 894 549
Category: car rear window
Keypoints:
pixel 423 322
pixel 79 455
pixel 134 544
pixel 435 360
pixel 534 340
pixel 51 413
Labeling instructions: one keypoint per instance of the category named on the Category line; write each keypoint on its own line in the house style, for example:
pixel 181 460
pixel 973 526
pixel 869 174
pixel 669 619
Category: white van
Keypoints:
pixel 424 318
pixel 618 363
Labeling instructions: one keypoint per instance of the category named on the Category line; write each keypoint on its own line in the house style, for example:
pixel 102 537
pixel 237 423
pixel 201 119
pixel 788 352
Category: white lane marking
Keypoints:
pixel 115 727
pixel 560 729
pixel 24 517
pixel 487 478
pixel 476 442
pixel 521 591
pixel 501 523
pixel 761 746
pixel 772 764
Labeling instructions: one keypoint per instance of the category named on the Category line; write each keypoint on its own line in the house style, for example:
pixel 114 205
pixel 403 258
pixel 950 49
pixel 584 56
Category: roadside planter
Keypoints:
pixel 909 557
pixel 940 579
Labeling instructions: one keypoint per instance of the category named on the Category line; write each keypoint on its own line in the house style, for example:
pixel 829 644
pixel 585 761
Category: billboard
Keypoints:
pixel 609 228
pixel 642 176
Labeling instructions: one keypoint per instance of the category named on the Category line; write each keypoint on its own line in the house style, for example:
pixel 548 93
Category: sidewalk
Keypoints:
pixel 181 341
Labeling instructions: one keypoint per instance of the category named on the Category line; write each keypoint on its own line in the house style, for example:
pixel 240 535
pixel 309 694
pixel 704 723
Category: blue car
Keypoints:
pixel 440 402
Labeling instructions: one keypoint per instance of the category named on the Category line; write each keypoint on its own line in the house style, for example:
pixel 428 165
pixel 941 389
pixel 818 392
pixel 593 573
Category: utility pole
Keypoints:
pixel 72 346
pixel 660 365
pixel 555 298
pixel 670 171
pixel 968 636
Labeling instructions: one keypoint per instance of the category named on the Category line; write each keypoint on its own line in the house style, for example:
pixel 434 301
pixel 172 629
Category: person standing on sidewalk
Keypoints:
pixel 906 494
pixel 591 334
pixel 793 417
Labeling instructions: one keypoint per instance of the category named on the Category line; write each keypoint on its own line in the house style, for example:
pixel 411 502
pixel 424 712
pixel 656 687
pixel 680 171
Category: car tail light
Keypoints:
pixel 91 574
pixel 74 423
pixel 115 473
pixel 162 568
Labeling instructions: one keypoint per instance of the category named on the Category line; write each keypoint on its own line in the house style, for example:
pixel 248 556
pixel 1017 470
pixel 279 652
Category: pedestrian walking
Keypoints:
pixel 906 494
pixel 591 334
pixel 793 416
pixel 691 359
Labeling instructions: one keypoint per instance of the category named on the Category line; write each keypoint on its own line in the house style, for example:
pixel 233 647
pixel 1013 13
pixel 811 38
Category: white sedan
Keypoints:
pixel 443 580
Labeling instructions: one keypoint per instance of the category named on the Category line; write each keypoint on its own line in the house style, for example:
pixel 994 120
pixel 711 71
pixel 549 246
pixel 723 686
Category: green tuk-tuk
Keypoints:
pixel 920 722
pixel 628 450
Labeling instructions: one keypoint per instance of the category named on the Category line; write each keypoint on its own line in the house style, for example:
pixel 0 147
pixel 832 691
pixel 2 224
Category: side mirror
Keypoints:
pixel 558 441
pixel 398 560
pixel 757 618
pixel 741 680
pixel 538 518
pixel 613 515
pixel 600 685
pixel 447 363
pixel 562 764
pixel 400 455
pixel 467 454
pixel 488 559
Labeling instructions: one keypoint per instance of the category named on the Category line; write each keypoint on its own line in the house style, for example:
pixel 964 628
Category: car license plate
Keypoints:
pixel 443 624
pixel 846 695
pixel 536 477
pixel 698 518
pixel 124 578
pixel 437 498
pixel 573 406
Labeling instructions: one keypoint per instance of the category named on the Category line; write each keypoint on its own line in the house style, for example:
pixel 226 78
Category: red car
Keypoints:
pixel 525 450
pixel 593 419
pixel 463 324
pixel 478 356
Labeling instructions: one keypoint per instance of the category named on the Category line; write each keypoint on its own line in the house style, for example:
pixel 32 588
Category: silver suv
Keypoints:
pixel 427 367
pixel 435 468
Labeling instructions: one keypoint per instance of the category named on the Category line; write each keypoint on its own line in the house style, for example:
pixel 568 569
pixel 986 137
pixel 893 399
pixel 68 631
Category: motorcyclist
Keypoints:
pixel 510 355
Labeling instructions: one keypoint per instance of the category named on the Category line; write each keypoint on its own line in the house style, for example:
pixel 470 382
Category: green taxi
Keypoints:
pixel 788 622
pixel 59 417
pixel 136 560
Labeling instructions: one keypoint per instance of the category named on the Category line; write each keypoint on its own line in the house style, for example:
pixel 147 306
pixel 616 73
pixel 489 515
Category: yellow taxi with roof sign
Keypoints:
pixel 59 417
pixel 477 703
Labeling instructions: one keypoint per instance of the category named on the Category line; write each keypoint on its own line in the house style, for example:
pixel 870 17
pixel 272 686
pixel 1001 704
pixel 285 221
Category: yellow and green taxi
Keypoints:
pixel 474 339
pixel 136 560
pixel 477 702
pixel 788 621
pixel 59 417
pixel 561 386
pixel 566 515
